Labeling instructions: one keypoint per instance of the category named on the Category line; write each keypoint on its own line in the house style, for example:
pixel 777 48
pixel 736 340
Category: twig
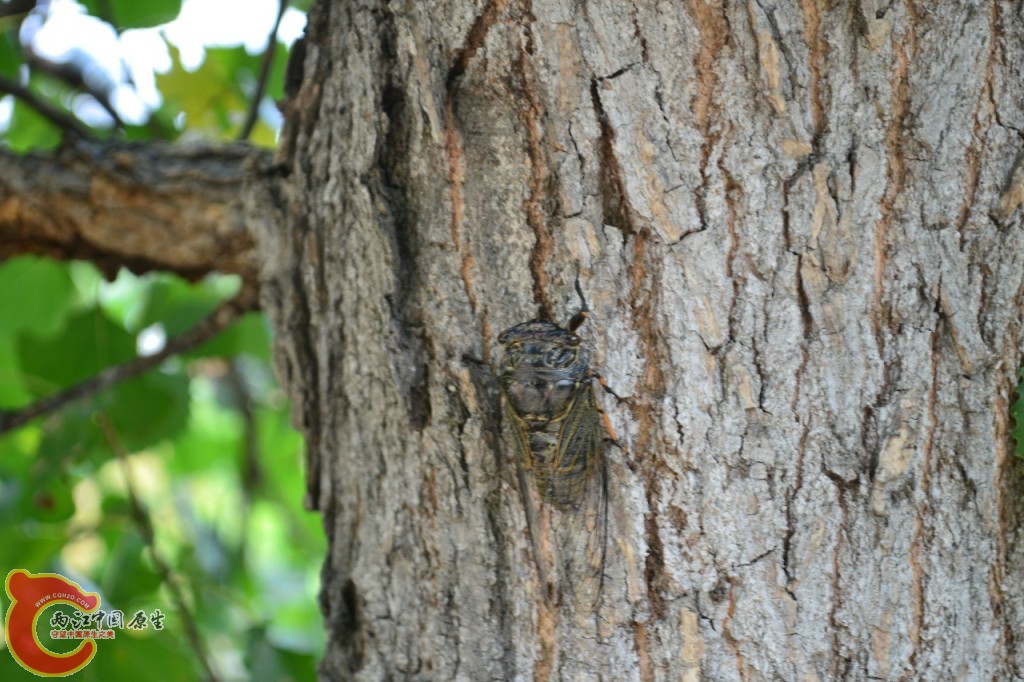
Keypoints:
pixel 59 118
pixel 261 84
pixel 15 7
pixel 145 526
pixel 225 314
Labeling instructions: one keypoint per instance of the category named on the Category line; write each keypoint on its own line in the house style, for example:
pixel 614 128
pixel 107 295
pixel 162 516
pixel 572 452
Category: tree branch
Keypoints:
pixel 153 206
pixel 224 315
pixel 15 7
pixel 261 84
pixel 58 117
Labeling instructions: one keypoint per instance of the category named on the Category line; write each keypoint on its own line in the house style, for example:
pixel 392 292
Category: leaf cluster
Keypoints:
pixel 211 101
pixel 211 456
pixel 189 472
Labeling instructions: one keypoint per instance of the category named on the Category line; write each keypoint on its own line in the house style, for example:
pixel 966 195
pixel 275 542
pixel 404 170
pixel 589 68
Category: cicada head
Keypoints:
pixel 542 370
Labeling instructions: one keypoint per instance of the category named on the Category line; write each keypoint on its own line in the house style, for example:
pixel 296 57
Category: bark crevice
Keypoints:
pixel 532 114
pixel 615 208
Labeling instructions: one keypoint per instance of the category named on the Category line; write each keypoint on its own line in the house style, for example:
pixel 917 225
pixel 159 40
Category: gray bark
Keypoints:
pixel 177 208
pixel 799 228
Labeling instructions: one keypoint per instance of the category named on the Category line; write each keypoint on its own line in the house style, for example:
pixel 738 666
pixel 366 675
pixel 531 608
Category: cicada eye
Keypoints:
pixel 573 340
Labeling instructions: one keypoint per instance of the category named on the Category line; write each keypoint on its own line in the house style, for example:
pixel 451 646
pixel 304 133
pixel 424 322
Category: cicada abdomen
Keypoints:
pixel 559 439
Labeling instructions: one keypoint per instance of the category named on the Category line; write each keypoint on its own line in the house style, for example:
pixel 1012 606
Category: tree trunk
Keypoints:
pixel 798 228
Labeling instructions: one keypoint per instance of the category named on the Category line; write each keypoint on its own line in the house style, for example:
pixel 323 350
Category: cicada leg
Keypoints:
pixel 595 375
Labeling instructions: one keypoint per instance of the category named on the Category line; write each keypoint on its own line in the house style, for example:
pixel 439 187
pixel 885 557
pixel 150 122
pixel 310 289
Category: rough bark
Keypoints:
pixel 176 208
pixel 798 224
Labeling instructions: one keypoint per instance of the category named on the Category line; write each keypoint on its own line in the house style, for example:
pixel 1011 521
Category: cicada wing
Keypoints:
pixel 581 538
pixel 527 491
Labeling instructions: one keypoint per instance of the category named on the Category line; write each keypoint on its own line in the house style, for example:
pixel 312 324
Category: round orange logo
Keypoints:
pixel 31 594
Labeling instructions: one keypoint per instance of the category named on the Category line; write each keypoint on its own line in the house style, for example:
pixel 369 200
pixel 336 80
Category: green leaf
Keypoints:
pixel 48 499
pixel 275 79
pixel 149 408
pixel 12 390
pixel 45 294
pixel 123 300
pixel 249 335
pixel 132 13
pixel 127 577
pixel 31 545
pixel 263 135
pixel 87 280
pixel 214 435
pixel 276 435
pixel 44 289
pixel 10 55
pixel 142 411
pixel 17 450
pixel 212 98
pixel 29 130
pixel 176 304
pixel 88 343
pixel 115 506
pixel 72 436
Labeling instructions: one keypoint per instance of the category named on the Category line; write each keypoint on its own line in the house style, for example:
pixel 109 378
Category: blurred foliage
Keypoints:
pixel 210 453
pixel 210 101
pixel 123 14
pixel 215 96
pixel 213 458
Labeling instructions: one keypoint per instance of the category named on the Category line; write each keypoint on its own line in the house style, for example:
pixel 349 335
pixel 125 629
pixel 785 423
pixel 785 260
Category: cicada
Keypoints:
pixel 558 434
